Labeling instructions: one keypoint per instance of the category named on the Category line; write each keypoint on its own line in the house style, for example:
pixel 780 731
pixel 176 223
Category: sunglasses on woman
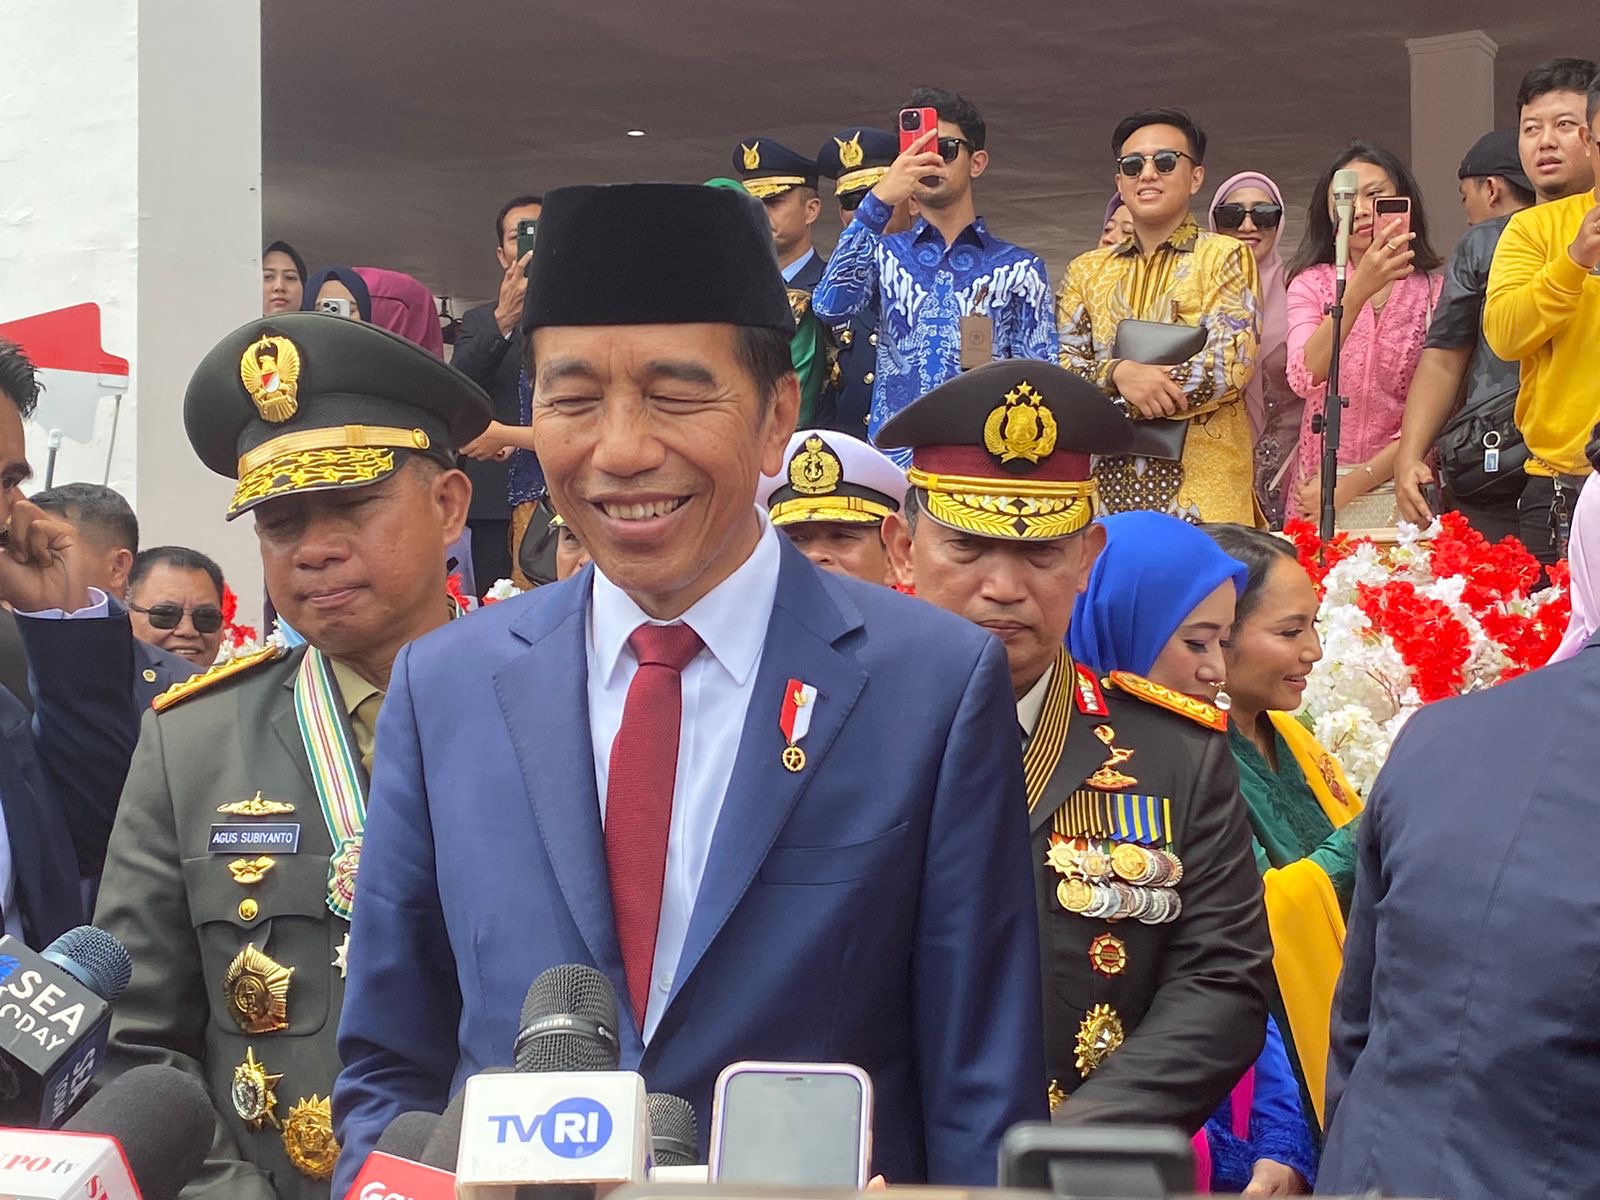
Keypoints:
pixel 1166 162
pixel 1231 216
pixel 207 618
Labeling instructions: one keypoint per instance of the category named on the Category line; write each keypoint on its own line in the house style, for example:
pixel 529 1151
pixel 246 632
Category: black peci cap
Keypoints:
pixel 308 402
pixel 655 254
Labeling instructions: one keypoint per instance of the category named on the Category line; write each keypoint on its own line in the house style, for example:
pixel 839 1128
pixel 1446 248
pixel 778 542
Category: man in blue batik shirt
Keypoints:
pixel 947 267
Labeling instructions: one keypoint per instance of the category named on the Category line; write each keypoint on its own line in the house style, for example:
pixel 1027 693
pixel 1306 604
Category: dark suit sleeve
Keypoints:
pixel 85 720
pixel 480 346
pixel 397 1034
pixel 1352 1000
pixel 143 903
pixel 1208 1019
pixel 979 1033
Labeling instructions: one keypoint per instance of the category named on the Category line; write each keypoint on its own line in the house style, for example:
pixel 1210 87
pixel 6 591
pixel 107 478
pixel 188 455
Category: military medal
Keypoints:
pixel 256 991
pixel 1128 861
pixel 256 807
pixel 1107 777
pixel 308 1137
pixel 336 771
pixel 247 871
pixel 253 1098
pixel 342 882
pixel 1075 895
pixel 795 720
pixel 1098 1036
pixel 1108 955
pixel 1055 1095
pixel 341 955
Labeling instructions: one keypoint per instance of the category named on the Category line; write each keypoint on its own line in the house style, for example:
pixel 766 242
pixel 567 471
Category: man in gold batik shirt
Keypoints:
pixel 1172 273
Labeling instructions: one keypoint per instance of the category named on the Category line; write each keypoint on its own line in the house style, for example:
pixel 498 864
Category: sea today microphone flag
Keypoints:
pixel 552 1127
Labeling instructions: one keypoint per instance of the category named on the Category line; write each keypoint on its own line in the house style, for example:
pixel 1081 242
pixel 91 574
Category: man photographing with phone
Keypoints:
pixel 958 295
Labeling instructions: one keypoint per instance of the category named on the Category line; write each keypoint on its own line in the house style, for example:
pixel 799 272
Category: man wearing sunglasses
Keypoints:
pixel 1170 273
pixel 175 596
pixel 947 287
pixel 231 872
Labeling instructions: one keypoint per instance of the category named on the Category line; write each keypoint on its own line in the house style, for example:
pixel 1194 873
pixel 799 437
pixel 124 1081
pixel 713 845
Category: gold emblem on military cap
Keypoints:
pixel 752 156
pixel 256 990
pixel 1020 426
pixel 256 806
pixel 270 372
pixel 1100 1033
pixel 308 1137
pixel 816 470
pixel 252 1094
pixel 850 153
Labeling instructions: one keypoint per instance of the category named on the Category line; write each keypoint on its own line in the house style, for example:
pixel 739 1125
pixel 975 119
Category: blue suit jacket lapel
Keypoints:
pixel 810 616
pixel 550 736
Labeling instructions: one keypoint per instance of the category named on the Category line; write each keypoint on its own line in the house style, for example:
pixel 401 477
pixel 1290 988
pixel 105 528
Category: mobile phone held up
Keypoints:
pixel 335 307
pixel 1386 210
pixel 792 1125
pixel 914 122
pixel 527 231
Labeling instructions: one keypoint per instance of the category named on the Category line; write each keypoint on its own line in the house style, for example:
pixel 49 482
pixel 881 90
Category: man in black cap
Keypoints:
pixel 1463 396
pixel 735 822
pixel 1154 939
pixel 856 159
pixel 231 870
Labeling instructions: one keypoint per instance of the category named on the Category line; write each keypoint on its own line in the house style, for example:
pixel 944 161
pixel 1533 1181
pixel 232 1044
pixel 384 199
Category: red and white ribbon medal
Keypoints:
pixel 795 721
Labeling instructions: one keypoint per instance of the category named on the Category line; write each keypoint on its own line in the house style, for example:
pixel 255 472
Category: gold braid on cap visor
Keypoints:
pixel 852 510
pixel 855 181
pixel 771 185
pixel 1018 509
pixel 339 456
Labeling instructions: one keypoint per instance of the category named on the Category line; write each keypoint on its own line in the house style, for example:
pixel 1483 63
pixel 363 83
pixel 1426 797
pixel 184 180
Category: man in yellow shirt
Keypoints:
pixel 1543 308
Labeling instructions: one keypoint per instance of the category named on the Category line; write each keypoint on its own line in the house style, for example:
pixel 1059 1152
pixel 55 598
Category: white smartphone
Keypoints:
pixel 334 307
pixel 792 1124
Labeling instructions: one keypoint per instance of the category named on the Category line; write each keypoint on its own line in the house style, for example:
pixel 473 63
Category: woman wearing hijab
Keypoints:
pixel 403 304
pixel 1249 206
pixel 1159 602
pixel 339 284
pixel 1117 226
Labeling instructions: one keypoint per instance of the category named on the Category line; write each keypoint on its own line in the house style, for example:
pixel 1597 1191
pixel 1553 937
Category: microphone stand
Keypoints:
pixel 1332 412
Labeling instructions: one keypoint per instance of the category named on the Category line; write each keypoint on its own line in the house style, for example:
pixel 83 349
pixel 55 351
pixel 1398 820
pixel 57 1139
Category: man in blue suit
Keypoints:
pixel 841 869
pixel 1464 1060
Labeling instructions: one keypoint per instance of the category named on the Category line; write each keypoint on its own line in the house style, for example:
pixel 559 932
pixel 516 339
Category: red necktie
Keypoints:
pixel 644 766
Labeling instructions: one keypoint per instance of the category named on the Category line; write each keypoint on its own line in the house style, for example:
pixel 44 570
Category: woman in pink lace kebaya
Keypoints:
pixel 1392 286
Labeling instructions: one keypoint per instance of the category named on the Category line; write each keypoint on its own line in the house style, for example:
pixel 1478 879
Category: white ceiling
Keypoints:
pixel 394 129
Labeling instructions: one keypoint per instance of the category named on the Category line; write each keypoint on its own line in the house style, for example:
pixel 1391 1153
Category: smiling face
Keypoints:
pixel 1260 241
pixel 1154 199
pixel 843 547
pixel 361 571
pixel 1551 144
pixel 1020 591
pixel 183 587
pixel 1192 660
pixel 652 439
pixel 1275 645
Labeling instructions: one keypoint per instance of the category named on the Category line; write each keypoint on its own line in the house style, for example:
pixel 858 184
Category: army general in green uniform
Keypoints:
pixel 231 871
pixel 1154 940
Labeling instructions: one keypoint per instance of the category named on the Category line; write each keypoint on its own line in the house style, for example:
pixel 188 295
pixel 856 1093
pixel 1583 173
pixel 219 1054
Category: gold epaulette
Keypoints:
pixel 1198 711
pixel 198 683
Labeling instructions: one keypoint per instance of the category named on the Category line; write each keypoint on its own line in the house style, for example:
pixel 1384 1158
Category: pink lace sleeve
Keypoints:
pixel 1308 296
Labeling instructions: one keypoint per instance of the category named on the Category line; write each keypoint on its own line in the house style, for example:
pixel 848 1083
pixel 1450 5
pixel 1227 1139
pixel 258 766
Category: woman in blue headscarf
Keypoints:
pixel 1159 603
pixel 341 284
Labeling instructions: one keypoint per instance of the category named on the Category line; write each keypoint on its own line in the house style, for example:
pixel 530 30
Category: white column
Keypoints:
pixel 131 142
pixel 1452 106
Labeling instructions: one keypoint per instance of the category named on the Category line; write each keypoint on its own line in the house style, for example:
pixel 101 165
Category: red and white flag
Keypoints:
pixel 798 701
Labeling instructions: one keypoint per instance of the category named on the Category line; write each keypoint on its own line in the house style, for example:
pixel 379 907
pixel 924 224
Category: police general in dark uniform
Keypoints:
pixel 855 159
pixel 1155 943
pixel 231 871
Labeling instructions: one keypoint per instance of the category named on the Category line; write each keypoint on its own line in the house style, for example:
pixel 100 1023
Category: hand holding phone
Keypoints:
pixel 527 234
pixel 792 1124
pixel 914 122
pixel 1391 218
pixel 920 158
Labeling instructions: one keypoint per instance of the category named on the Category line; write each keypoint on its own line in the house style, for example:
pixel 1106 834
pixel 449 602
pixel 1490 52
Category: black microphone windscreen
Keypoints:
pixel 674 1134
pixel 163 1120
pixel 569 1022
pixel 443 1146
pixel 94 958
pixel 407 1135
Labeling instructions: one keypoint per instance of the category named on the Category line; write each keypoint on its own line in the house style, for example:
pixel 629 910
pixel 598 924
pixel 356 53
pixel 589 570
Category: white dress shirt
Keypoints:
pixel 718 683
pixel 98 606
pixel 797 266
pixel 1031 707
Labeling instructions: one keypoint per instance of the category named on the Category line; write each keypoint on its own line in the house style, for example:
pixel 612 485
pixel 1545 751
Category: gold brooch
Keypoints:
pixel 1098 1035
pixel 270 372
pixel 308 1137
pixel 256 989
pixel 816 470
pixel 1020 427
pixel 850 153
pixel 256 807
pixel 1108 955
pixel 246 871
pixel 1107 777
pixel 752 156
pixel 1055 1095
pixel 253 1098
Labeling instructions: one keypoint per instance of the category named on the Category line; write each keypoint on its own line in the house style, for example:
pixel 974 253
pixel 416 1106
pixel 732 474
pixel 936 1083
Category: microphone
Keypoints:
pixel 674 1136
pixel 55 1014
pixel 1345 183
pixel 443 1146
pixel 567 1119
pixel 141 1137
pixel 395 1171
